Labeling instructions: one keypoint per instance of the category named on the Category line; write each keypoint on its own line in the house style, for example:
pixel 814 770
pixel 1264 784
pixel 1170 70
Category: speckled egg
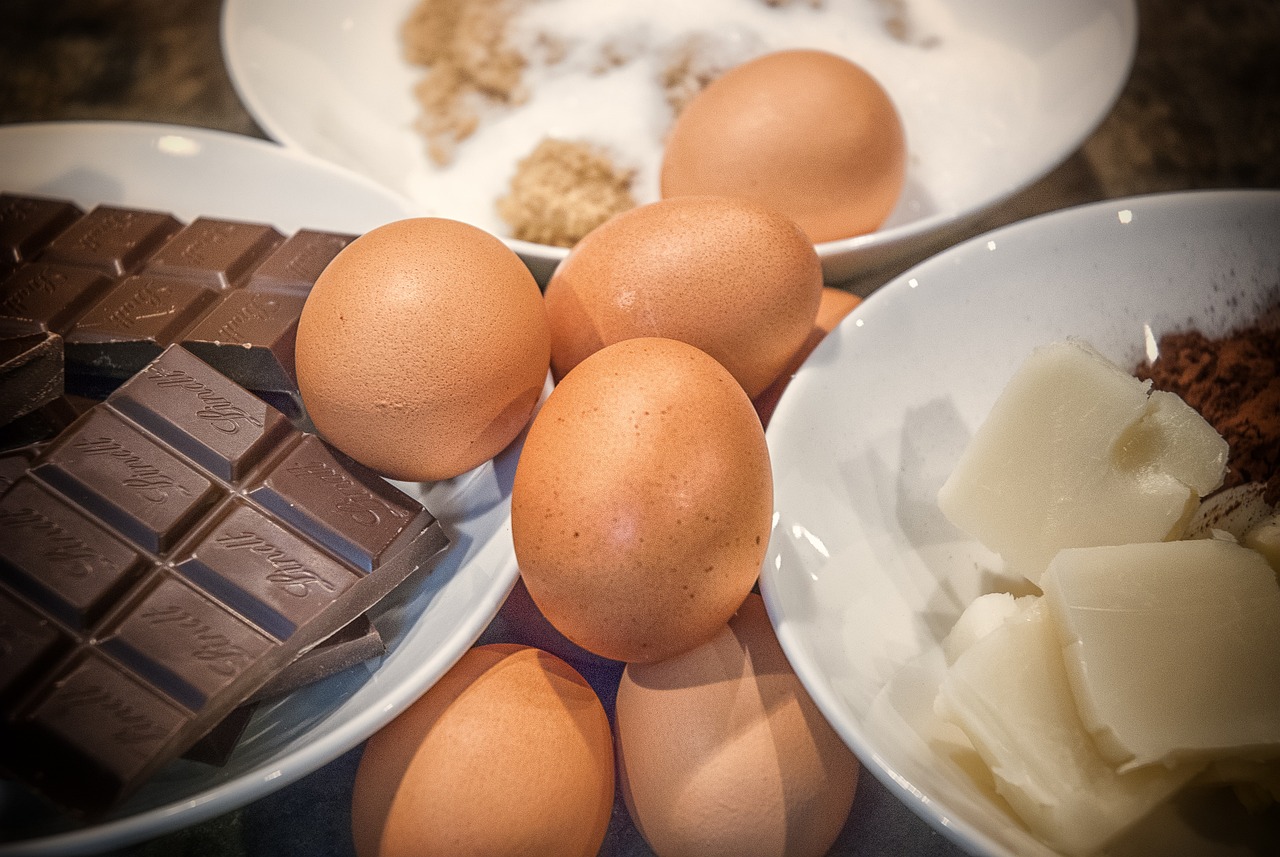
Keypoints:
pixel 737 280
pixel 721 752
pixel 805 132
pixel 423 348
pixel 642 500
pixel 510 753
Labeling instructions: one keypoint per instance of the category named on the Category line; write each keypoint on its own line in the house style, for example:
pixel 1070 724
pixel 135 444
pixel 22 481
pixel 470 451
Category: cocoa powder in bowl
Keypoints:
pixel 1234 382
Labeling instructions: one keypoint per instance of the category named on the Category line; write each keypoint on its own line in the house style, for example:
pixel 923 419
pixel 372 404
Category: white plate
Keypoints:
pixel 427 623
pixel 192 172
pixel 864 576
pixel 1006 93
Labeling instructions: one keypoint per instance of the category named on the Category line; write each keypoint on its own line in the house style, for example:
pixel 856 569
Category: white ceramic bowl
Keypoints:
pixel 864 577
pixel 427 623
pixel 993 95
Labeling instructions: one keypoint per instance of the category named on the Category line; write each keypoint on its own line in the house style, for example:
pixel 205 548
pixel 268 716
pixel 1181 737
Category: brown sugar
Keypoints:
pixel 562 190
pixel 475 58
pixel 1234 382
pixel 689 68
pixel 469 66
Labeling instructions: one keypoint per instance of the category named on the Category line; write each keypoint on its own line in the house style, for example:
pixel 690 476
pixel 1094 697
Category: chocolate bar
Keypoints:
pixel 355 643
pixel 121 284
pixel 165 557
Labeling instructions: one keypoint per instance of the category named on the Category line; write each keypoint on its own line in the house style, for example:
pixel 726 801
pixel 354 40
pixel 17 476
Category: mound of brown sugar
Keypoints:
pixel 469 65
pixel 562 190
pixel 1234 382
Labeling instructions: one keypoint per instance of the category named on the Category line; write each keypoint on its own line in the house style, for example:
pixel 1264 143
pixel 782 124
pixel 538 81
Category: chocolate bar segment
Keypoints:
pixel 92 726
pixel 29 223
pixel 250 336
pixel 297 264
pixel 127 479
pixel 58 556
pixel 53 294
pixel 183 642
pixel 225 430
pixel 111 240
pixel 211 591
pixel 214 253
pixel 265 571
pixel 133 322
pixel 313 489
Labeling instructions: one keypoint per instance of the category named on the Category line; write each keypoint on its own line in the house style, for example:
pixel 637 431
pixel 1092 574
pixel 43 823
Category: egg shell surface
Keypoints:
pixel 510 753
pixel 738 280
pixel 722 752
pixel 806 132
pixel 423 348
pixel 642 500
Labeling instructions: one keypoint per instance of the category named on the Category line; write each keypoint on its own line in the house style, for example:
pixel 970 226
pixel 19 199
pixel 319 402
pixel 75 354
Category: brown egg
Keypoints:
pixel 805 132
pixel 510 753
pixel 722 752
pixel 736 279
pixel 642 500
pixel 423 348
pixel 835 305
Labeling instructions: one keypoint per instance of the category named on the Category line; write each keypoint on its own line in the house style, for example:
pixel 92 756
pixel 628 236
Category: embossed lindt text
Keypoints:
pixel 151 483
pixel 63 550
pixel 44 282
pixel 259 308
pixel 130 725
pixel 147 302
pixel 287 573
pixel 355 501
pixel 94 238
pixel 300 264
pixel 215 650
pixel 219 411
pixel 204 244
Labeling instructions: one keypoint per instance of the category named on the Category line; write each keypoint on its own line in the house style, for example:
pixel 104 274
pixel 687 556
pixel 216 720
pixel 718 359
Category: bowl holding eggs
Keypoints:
pixel 884 467
pixel 883 129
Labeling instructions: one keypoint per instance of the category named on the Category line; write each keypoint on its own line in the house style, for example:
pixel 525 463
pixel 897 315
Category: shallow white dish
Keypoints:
pixel 1005 92
pixel 864 577
pixel 192 172
pixel 427 623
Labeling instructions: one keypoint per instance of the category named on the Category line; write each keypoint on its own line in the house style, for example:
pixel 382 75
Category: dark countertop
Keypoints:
pixel 1201 110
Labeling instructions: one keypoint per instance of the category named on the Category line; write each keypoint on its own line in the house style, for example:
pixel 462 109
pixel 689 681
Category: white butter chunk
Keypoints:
pixel 1074 453
pixel 983 615
pixel 1008 692
pixel 1172 649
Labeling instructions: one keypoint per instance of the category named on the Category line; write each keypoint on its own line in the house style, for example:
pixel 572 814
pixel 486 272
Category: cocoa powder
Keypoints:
pixel 1234 382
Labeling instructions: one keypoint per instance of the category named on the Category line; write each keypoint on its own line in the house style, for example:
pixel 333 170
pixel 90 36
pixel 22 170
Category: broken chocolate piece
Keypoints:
pixel 30 367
